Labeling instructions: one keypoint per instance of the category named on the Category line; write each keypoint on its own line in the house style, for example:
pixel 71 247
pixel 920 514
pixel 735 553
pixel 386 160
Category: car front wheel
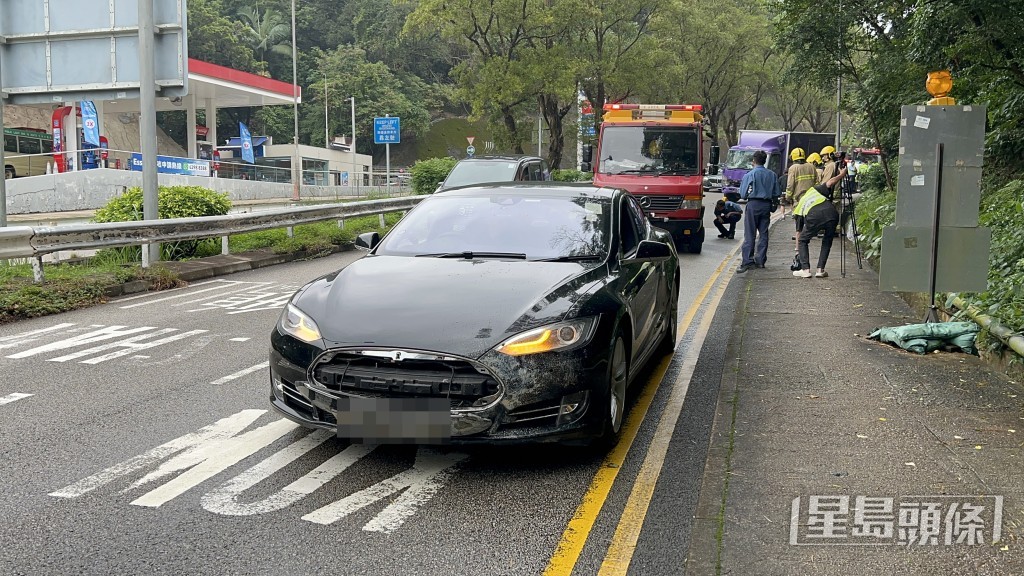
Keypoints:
pixel 615 407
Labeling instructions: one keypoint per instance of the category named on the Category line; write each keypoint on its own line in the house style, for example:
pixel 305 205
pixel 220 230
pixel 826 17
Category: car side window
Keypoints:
pixel 637 213
pixel 533 168
pixel 545 170
pixel 629 235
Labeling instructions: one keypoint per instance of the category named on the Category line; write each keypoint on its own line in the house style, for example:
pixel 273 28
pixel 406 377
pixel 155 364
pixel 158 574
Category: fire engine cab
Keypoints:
pixel 655 152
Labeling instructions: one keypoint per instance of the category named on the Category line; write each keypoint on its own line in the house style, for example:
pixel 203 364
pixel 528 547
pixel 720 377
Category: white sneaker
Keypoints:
pixel 802 273
pixel 821 274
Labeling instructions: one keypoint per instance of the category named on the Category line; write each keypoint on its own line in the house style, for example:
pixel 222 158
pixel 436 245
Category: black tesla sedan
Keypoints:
pixel 517 312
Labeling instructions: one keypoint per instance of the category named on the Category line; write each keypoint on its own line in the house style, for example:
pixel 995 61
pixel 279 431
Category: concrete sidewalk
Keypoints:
pixel 834 454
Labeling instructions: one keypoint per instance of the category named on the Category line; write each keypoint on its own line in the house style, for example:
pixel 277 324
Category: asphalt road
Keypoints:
pixel 136 437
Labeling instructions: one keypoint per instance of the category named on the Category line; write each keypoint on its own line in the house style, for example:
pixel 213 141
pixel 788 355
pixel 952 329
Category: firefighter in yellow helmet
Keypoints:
pixel 830 169
pixel 815 160
pixel 801 176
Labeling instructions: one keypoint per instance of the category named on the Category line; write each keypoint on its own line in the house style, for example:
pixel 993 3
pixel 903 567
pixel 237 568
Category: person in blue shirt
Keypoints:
pixel 727 212
pixel 760 188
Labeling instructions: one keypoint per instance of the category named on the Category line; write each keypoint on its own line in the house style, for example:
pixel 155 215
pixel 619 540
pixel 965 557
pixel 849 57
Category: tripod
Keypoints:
pixel 847 187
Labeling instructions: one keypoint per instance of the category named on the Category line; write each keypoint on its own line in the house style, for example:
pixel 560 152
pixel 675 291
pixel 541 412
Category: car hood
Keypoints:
pixel 458 306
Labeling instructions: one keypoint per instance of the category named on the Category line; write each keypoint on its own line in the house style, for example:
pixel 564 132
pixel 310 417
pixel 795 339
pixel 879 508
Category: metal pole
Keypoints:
pixel 357 174
pixel 387 164
pixel 540 133
pixel 933 314
pixel 147 124
pixel 327 126
pixel 3 181
pixel 297 160
pixel 839 82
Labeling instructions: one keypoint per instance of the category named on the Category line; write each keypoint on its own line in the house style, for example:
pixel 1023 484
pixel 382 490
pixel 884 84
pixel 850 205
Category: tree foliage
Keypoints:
pixel 215 38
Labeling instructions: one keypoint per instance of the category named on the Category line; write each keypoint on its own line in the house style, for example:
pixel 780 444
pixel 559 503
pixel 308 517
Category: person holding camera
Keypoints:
pixel 727 212
pixel 762 192
pixel 818 214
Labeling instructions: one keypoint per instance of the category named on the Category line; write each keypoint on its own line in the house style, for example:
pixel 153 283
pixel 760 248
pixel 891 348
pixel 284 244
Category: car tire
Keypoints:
pixel 668 342
pixel 8 173
pixel 615 401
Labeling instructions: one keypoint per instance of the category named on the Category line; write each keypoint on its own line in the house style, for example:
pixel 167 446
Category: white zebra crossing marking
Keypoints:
pixel 241 373
pixel 201 455
pixel 13 398
pixel 118 341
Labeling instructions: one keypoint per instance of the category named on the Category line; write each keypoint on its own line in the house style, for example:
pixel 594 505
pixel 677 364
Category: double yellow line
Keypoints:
pixel 567 553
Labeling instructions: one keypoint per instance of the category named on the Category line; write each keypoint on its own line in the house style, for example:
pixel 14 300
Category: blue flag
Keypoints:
pixel 90 123
pixel 246 137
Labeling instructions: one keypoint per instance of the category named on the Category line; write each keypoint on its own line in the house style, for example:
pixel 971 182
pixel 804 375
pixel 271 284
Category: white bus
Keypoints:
pixel 19 143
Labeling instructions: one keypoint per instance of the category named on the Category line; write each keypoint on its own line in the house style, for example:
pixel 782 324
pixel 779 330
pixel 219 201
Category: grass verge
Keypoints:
pixel 69 286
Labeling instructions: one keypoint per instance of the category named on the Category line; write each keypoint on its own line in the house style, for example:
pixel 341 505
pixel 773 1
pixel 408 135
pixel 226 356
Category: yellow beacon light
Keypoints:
pixel 939 84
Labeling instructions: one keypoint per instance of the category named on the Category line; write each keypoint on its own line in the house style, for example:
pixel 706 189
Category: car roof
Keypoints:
pixel 506 157
pixel 531 189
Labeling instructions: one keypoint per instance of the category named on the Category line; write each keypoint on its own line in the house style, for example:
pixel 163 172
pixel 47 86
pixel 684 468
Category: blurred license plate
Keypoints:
pixel 394 420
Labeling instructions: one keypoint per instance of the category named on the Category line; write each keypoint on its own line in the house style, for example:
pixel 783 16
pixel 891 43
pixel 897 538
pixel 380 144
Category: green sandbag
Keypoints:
pixel 924 338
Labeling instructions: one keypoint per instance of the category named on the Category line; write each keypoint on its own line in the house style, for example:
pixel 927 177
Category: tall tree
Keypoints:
pixel 612 41
pixel 267 31
pixel 495 78
pixel 721 57
pixel 214 38
pixel 864 44
pixel 378 92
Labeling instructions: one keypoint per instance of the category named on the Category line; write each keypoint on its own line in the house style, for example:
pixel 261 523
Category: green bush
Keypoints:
pixel 571 175
pixel 1002 211
pixel 875 210
pixel 173 202
pixel 427 174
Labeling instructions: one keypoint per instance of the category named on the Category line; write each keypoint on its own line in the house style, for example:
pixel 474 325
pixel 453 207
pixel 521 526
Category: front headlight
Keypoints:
pixel 299 324
pixel 562 336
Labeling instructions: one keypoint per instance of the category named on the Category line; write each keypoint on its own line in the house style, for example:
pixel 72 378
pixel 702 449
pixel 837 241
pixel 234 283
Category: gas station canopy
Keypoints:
pixel 224 87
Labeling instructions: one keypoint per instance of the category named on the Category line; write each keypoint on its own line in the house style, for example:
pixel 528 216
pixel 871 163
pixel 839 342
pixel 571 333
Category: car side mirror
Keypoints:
pixel 367 241
pixel 716 154
pixel 588 154
pixel 650 251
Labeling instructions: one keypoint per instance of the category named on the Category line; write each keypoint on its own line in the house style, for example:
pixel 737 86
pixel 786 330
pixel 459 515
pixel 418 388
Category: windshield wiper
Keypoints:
pixel 636 171
pixel 572 258
pixel 468 255
pixel 676 173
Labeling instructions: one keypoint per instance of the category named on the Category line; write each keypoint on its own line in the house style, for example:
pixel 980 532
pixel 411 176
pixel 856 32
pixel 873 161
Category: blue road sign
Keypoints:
pixel 470 150
pixel 387 130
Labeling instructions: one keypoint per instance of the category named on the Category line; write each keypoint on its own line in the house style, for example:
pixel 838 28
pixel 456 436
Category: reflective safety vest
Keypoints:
pixel 809 200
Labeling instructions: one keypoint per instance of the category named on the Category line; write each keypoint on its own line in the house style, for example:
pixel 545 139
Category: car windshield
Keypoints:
pixel 740 159
pixel 480 172
pixel 649 150
pixel 539 227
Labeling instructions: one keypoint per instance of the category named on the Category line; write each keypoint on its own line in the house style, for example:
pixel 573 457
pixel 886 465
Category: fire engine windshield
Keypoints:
pixel 649 150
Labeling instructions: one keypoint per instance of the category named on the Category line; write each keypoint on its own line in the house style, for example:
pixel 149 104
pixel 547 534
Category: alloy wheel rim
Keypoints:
pixel 617 393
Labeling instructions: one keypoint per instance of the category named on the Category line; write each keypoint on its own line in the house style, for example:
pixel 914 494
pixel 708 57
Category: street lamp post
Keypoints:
pixel 357 174
pixel 297 160
pixel 327 125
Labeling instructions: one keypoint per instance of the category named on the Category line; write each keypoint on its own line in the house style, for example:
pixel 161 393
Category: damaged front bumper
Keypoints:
pixel 538 398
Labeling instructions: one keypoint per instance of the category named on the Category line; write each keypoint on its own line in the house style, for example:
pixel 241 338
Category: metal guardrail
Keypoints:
pixel 34 242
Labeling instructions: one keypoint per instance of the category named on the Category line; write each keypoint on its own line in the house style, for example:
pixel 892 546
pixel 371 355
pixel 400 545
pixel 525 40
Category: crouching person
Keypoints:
pixel 727 212
pixel 818 214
